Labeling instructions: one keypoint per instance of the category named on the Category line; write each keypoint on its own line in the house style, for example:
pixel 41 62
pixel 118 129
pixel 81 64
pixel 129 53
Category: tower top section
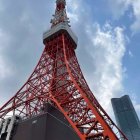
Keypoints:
pixel 60 15
pixel 60 24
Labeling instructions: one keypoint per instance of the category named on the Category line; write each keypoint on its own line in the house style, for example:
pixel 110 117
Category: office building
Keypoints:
pixel 126 117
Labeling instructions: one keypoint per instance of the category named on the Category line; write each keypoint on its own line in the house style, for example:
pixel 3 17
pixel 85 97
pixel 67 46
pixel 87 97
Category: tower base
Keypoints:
pixel 50 125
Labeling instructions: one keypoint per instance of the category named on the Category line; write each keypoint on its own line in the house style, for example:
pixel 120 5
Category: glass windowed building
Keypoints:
pixel 126 117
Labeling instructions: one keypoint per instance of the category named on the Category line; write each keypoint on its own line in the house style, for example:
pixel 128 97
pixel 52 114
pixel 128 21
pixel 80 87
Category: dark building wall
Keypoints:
pixel 49 126
pixel 126 117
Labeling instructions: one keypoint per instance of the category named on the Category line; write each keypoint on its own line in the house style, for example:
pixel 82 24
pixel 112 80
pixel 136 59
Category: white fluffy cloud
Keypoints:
pixel 136 9
pixel 73 10
pixel 107 51
pixel 119 7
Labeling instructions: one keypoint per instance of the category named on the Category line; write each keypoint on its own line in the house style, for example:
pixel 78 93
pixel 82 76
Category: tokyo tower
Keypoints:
pixel 57 79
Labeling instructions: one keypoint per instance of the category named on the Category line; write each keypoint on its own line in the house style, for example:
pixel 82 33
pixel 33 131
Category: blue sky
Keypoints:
pixel 108 48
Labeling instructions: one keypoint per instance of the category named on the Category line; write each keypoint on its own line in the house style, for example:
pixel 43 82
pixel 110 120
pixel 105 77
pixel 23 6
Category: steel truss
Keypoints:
pixel 58 79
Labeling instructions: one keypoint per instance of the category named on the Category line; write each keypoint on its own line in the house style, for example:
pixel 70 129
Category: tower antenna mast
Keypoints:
pixel 60 13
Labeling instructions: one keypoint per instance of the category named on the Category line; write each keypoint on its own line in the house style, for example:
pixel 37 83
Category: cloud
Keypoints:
pixel 21 29
pixel 120 7
pixel 107 50
pixel 136 11
pixel 5 69
pixel 1 7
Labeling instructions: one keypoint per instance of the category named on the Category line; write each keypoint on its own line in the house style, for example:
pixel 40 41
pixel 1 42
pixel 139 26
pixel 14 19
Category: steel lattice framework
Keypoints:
pixel 58 79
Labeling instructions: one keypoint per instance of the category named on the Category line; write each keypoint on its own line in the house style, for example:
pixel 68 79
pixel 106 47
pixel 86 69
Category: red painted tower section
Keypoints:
pixel 58 79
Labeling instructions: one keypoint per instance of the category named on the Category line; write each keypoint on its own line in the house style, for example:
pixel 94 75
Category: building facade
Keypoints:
pixel 126 117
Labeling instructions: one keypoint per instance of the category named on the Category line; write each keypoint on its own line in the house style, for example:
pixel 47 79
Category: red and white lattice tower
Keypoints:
pixel 58 79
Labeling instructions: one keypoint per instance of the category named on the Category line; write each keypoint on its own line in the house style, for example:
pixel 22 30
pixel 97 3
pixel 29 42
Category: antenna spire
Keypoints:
pixel 60 15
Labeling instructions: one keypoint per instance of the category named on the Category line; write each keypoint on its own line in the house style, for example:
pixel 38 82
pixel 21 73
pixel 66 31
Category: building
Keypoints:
pixel 126 117
pixel 50 125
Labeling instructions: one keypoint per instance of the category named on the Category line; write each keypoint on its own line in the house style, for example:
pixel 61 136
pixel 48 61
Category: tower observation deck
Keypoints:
pixel 58 80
